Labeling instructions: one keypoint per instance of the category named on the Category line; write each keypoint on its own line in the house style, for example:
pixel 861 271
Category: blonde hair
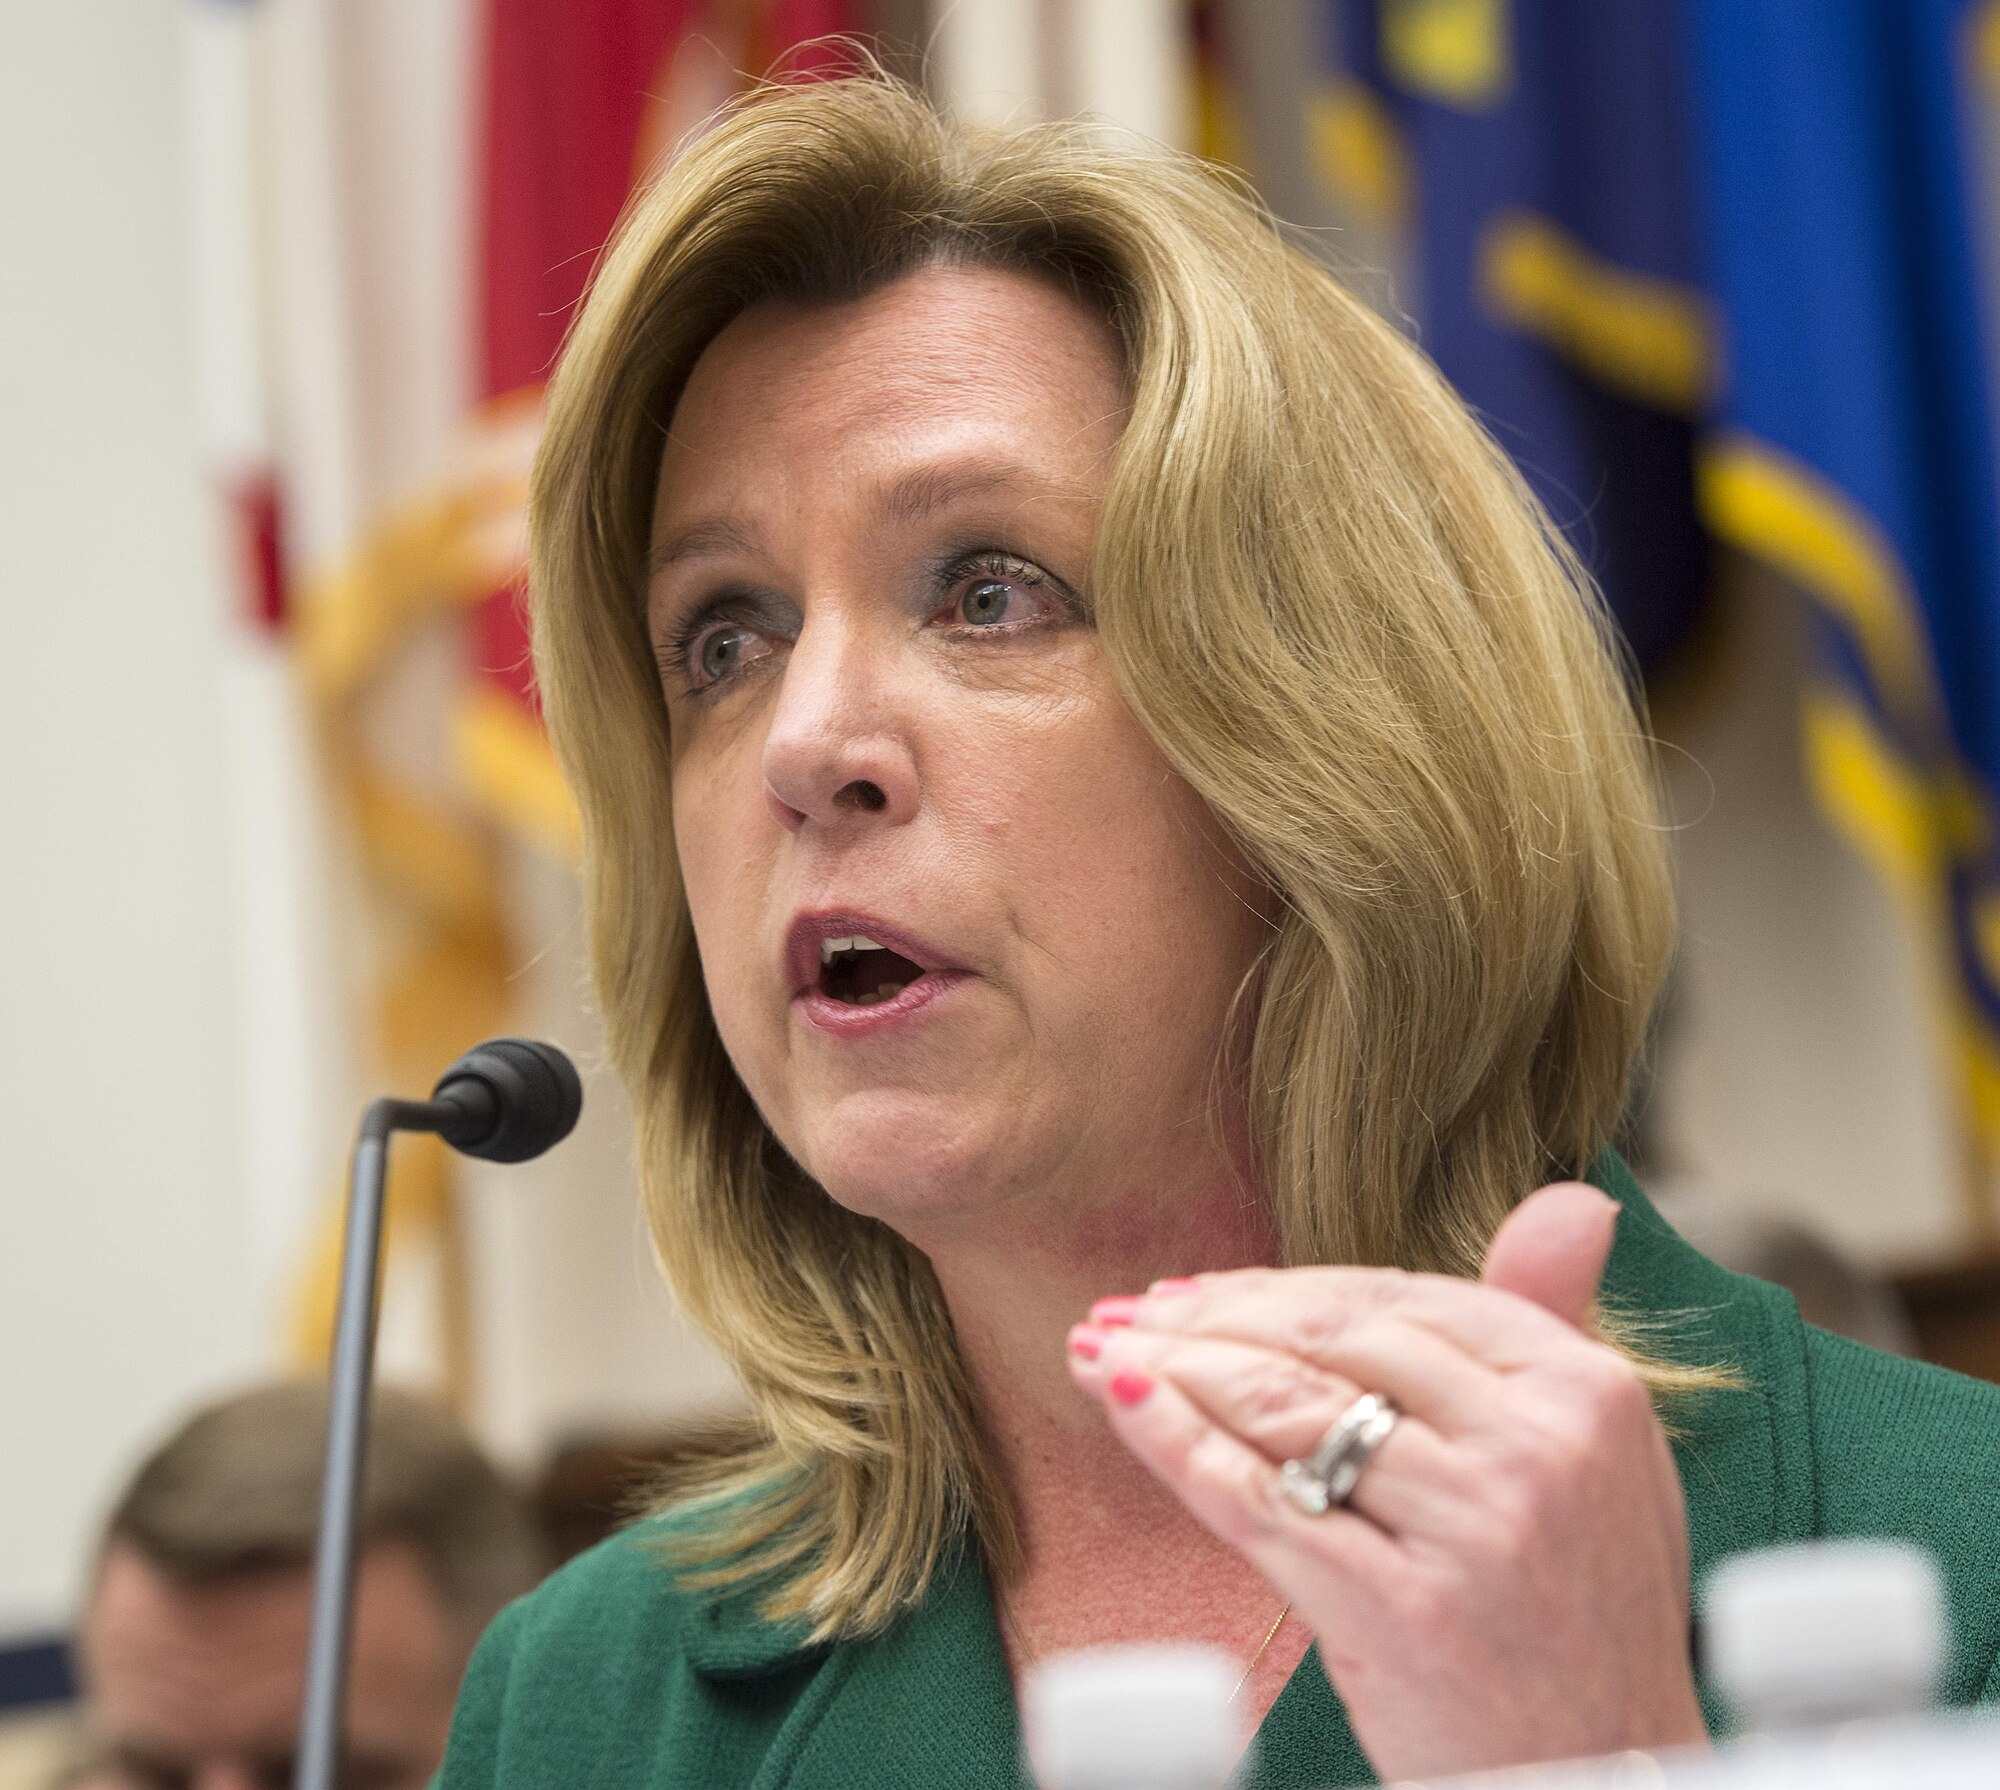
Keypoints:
pixel 1338 612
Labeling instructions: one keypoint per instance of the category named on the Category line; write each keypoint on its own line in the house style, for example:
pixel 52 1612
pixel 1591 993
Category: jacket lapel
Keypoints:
pixel 926 1704
pixel 1305 1742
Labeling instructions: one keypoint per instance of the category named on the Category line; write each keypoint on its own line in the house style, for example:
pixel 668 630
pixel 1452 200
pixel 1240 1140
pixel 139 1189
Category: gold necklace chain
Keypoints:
pixel 1030 1656
pixel 1263 1647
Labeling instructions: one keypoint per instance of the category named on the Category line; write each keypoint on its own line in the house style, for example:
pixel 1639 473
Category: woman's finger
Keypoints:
pixel 1552 1249
pixel 1283 1408
pixel 1378 1350
pixel 1306 1311
pixel 1231 1488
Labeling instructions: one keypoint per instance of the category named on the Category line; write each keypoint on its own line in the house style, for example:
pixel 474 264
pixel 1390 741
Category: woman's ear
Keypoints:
pixel 1552 1249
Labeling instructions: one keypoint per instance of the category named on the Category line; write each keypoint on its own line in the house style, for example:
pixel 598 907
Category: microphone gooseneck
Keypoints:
pixel 507 1101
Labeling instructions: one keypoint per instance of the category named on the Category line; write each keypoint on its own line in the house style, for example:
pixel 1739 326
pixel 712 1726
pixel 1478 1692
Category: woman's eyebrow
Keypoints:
pixel 715 534
pixel 909 498
pixel 916 494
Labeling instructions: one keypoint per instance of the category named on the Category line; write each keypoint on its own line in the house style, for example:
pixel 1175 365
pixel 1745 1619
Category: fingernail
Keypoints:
pixel 1179 1285
pixel 1113 1312
pixel 1129 1388
pixel 1086 1341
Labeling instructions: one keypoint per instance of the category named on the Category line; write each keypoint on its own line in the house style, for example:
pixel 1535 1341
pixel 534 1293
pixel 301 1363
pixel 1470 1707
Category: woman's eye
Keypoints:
pixel 988 601
pixel 996 595
pixel 721 650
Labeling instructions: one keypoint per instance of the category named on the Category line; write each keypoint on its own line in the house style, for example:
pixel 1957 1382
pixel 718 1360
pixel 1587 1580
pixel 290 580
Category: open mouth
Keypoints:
pixel 858 972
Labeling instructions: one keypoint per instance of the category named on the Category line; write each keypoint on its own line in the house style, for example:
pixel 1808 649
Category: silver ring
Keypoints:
pixel 1326 1478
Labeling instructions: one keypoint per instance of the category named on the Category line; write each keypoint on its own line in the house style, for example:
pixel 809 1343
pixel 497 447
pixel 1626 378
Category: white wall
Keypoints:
pixel 123 1240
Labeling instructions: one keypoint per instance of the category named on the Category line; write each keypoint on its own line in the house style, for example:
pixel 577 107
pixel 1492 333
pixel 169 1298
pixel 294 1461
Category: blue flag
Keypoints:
pixel 1712 268
pixel 1839 153
pixel 1546 175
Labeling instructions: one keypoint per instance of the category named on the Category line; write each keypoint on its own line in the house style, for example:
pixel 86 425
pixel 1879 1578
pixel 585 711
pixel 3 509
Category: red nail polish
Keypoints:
pixel 1178 1285
pixel 1113 1312
pixel 1129 1388
pixel 1085 1341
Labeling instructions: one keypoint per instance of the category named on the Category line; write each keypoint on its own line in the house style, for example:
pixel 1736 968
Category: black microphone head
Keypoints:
pixel 535 1097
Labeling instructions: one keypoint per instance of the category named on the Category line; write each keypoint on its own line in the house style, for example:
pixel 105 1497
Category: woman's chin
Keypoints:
pixel 916 1162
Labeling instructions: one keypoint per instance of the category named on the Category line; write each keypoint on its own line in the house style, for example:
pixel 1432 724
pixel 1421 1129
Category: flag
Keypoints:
pixel 1533 153
pixel 1841 159
pixel 1713 268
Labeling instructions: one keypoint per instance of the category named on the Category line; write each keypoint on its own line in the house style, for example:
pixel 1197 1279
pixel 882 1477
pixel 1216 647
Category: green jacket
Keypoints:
pixel 610 1676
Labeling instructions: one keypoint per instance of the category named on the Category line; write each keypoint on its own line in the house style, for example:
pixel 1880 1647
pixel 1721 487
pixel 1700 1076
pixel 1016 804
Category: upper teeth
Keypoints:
pixel 828 947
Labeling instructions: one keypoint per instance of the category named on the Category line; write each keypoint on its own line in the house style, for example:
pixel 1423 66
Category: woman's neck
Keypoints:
pixel 1015 1291
pixel 1095 1526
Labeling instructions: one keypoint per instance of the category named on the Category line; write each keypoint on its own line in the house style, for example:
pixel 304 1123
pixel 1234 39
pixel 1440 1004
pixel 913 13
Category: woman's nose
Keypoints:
pixel 839 748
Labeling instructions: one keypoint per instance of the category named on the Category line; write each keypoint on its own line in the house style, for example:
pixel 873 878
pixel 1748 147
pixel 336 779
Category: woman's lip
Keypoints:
pixel 807 930
pixel 845 1020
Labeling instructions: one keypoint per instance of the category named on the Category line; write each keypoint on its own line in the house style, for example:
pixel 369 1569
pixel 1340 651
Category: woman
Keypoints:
pixel 1101 792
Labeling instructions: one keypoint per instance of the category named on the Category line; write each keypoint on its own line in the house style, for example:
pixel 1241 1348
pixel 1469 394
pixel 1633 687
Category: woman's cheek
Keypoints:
pixel 728 899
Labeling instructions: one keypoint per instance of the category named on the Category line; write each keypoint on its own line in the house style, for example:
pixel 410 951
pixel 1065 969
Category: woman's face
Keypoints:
pixel 969 942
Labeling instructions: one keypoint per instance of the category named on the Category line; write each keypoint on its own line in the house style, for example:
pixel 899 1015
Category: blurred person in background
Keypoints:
pixel 193 1637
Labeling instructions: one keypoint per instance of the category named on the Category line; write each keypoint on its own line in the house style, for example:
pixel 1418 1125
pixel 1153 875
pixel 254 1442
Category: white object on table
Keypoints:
pixel 1825 1631
pixel 1133 1718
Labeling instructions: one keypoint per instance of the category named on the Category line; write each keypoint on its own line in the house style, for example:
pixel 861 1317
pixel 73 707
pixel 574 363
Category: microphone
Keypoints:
pixel 506 1101
pixel 509 1100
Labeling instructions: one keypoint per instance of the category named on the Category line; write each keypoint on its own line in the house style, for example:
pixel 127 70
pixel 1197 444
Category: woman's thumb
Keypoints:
pixel 1552 1249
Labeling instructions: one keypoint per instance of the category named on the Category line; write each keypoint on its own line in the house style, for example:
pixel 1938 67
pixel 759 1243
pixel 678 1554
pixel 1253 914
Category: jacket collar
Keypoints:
pixel 1745 1456
pixel 927 1702
pixel 725 1637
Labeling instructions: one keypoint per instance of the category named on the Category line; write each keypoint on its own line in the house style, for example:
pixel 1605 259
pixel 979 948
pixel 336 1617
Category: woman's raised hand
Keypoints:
pixel 1509 1581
